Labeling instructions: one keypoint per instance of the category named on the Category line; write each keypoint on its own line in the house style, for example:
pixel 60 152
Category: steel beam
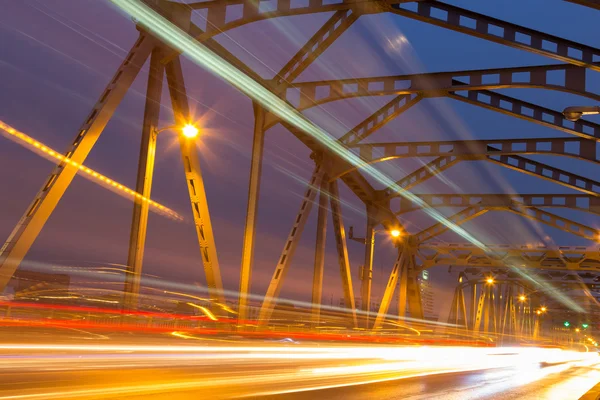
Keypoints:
pixel 139 223
pixel 555 221
pixel 563 258
pixel 251 212
pixel 380 118
pixel 291 243
pixel 477 149
pixel 339 22
pixel 195 184
pixel 342 250
pixel 571 79
pixel 409 291
pixel 31 223
pixel 366 275
pixel 317 285
pixel 502 32
pixel 390 287
pixel 547 172
pixel 459 218
pixel 527 111
pixel 422 174
pixel 582 202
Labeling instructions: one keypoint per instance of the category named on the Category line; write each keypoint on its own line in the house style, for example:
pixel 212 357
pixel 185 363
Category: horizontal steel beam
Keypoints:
pixel 582 202
pixel 477 149
pixel 561 77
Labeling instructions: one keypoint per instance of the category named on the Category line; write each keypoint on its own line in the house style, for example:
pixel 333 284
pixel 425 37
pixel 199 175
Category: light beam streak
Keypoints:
pixel 181 41
pixel 40 148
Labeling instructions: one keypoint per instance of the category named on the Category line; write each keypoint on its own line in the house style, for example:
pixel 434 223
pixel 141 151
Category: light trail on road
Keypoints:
pixel 87 371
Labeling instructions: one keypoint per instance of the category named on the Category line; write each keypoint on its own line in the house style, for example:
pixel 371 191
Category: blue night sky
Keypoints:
pixel 56 56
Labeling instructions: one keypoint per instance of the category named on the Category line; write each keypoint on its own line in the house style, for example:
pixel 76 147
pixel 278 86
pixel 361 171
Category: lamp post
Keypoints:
pixel 576 112
pixel 366 270
pixel 139 221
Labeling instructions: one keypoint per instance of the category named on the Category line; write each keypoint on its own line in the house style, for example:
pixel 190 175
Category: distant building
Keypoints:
pixel 427 297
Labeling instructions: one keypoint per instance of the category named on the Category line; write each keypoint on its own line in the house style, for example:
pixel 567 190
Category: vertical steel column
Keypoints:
pixel 317 286
pixel 473 306
pixel 193 175
pixel 367 269
pixel 31 223
pixel 413 295
pixel 342 250
pixel 291 243
pixel 389 289
pixel 143 186
pixel 252 211
pixel 409 294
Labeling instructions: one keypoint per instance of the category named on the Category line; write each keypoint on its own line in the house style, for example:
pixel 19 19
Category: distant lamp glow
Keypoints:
pixel 395 233
pixel 576 329
pixel 538 312
pixel 490 280
pixel 190 131
pixel 522 298
pixel 544 309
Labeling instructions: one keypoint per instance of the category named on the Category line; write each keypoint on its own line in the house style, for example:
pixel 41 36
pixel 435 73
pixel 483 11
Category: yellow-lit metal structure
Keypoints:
pixel 416 251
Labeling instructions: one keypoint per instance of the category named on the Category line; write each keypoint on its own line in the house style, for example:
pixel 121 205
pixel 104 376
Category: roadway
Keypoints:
pixel 186 368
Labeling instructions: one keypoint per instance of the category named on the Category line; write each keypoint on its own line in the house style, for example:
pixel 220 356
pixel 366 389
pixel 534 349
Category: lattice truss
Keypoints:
pixel 475 87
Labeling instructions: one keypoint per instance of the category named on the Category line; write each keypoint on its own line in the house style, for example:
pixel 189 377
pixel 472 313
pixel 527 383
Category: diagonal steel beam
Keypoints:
pixel 379 118
pixel 31 223
pixel 502 32
pixel 549 173
pixel 555 221
pixel 527 111
pixel 315 46
pixel 587 3
pixel 459 218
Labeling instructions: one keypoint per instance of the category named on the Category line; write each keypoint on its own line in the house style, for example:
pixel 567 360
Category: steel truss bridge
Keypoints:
pixel 416 250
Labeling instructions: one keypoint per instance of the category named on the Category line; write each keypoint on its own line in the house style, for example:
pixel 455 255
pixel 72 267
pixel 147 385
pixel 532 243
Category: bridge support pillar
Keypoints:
pixel 342 250
pixel 31 223
pixel 317 286
pixel 252 211
pixel 195 184
pixel 404 270
pixel 458 309
pixel 366 275
pixel 143 186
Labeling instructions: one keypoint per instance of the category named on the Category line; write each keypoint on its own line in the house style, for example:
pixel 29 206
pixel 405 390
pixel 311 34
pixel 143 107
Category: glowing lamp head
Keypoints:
pixel 190 131
pixel 577 330
pixel 490 280
pixel 544 309
pixel 538 312
pixel 521 298
pixel 395 233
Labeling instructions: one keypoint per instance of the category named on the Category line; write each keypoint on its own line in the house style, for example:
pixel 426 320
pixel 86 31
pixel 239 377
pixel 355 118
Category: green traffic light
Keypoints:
pixel 584 326
pixel 567 323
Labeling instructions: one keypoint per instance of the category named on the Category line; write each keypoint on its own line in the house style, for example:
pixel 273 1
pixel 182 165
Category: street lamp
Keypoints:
pixel 139 224
pixel 522 298
pixel 575 113
pixel 490 280
pixel 188 130
pixel 395 233
pixel 543 309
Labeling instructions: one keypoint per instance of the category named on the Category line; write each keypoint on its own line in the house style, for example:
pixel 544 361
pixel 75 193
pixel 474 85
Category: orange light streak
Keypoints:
pixel 38 147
